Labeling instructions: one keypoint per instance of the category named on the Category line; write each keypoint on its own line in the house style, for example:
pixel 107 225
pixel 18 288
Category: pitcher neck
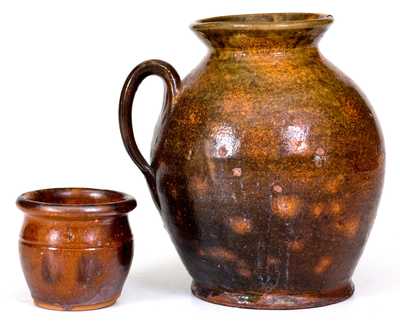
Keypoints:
pixel 263 33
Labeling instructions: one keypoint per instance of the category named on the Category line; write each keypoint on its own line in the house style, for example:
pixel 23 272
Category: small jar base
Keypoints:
pixel 77 307
pixel 274 300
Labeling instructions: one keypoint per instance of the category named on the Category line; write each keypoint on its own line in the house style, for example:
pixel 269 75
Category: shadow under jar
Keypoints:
pixel 76 246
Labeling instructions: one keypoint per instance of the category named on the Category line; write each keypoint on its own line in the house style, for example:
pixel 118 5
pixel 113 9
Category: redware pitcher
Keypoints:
pixel 267 163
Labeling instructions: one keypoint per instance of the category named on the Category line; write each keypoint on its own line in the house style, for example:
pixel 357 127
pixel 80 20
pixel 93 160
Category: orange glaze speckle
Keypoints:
pixel 285 206
pixel 349 227
pixel 240 225
pixel 323 264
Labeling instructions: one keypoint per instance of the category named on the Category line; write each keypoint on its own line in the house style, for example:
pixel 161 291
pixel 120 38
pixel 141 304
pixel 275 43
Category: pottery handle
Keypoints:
pixel 138 74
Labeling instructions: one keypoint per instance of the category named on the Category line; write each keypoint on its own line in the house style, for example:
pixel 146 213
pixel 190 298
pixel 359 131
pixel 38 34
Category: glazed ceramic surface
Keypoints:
pixel 76 246
pixel 267 163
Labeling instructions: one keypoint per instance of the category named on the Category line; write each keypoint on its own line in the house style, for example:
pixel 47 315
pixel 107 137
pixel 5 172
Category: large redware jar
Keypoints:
pixel 267 163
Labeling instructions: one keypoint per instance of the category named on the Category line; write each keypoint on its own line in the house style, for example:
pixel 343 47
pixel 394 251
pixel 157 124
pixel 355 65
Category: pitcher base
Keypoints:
pixel 274 300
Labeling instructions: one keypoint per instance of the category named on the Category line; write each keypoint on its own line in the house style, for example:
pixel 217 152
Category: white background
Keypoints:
pixel 62 65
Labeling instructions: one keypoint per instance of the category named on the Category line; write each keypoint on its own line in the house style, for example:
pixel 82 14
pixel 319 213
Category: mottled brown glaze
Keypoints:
pixel 267 164
pixel 76 246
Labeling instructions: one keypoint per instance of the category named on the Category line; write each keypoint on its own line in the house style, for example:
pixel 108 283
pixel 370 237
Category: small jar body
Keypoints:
pixel 75 264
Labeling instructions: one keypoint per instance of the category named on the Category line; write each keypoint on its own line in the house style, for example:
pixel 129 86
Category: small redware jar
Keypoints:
pixel 76 246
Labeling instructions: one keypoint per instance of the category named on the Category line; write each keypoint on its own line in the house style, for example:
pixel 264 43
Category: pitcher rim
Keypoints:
pixel 264 21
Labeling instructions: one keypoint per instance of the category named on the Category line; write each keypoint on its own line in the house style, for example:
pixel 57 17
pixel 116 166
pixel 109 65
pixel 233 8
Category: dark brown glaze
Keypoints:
pixel 267 164
pixel 76 246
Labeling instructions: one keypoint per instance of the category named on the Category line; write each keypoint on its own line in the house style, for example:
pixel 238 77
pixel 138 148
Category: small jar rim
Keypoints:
pixel 75 202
